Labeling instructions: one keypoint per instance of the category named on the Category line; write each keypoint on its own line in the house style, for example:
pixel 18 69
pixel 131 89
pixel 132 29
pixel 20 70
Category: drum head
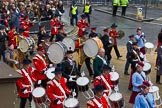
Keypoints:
pixel 82 81
pixel 147 66
pixel 49 74
pixel 56 52
pixel 38 92
pixel 69 43
pixel 153 89
pixel 71 103
pixel 23 45
pixel 114 76
pixel 90 48
pixel 115 96
pixel 149 45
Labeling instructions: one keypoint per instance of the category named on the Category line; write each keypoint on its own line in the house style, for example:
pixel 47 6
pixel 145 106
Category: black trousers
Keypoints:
pixel 116 50
pixel 52 37
pixel 88 17
pixel 23 101
pixel 115 8
pixel 88 65
pixel 74 17
pixel 128 62
pixel 157 78
pixel 123 10
pixel 73 86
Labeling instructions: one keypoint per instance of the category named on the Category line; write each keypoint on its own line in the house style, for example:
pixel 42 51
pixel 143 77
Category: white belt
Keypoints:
pixel 58 96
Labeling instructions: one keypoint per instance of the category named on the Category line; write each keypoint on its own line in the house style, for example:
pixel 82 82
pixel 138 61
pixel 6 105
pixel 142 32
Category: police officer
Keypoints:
pixel 73 13
pixel 124 4
pixel 115 4
pixel 87 11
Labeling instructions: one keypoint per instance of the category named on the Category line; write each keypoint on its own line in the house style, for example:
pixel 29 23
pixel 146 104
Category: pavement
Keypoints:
pixel 149 14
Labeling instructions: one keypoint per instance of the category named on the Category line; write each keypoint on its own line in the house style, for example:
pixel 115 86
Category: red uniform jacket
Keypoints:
pixel 6 23
pixel 12 38
pixel 92 104
pixel 113 33
pixel 54 26
pixel 54 92
pixel 26 26
pixel 99 80
pixel 22 82
pixel 82 27
pixel 40 65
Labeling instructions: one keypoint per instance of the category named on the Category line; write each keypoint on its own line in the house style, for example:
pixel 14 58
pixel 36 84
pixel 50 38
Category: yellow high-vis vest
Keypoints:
pixel 86 9
pixel 74 10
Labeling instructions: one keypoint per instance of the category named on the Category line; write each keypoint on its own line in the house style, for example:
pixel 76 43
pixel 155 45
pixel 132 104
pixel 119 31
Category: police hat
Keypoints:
pixel 26 61
pixel 98 88
pixel 114 25
pixel 57 70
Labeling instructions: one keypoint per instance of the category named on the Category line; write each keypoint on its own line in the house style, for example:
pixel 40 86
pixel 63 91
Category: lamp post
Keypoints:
pixel 146 4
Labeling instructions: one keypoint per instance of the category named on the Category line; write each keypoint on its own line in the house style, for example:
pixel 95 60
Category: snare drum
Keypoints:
pixel 82 83
pixel 71 103
pixel 39 95
pixel 26 43
pixel 116 100
pixel 91 46
pixel 70 43
pixel 154 90
pixel 147 68
pixel 149 46
pixel 114 76
pixel 49 74
pixel 56 52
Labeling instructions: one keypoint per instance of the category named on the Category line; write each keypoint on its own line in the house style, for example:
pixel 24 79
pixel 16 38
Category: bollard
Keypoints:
pixel 139 14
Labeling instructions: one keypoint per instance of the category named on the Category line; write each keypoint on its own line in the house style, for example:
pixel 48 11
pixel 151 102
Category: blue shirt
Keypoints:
pixel 137 80
pixel 141 102
pixel 140 41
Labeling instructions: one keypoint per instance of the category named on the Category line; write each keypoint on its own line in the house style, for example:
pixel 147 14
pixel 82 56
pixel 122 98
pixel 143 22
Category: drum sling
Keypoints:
pixel 147 101
pixel 98 104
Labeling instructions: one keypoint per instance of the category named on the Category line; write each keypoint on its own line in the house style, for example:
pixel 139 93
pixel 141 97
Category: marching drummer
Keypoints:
pixel 144 99
pixel 104 80
pixel 61 34
pixel 93 32
pixel 137 80
pixel 25 84
pixel 57 89
pixel 41 33
pixel 113 33
pixel 99 101
pixel 39 62
pixel 70 71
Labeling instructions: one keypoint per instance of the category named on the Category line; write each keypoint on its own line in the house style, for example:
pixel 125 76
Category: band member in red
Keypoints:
pixel 41 65
pixel 99 101
pixel 26 24
pixel 25 84
pixel 114 34
pixel 82 24
pixel 104 80
pixel 57 90
pixel 55 23
pixel 12 36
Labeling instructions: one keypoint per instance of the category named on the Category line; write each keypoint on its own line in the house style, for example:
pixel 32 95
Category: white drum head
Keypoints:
pixel 90 48
pixel 49 74
pixel 23 45
pixel 149 45
pixel 115 96
pixel 153 89
pixel 38 92
pixel 146 66
pixel 69 43
pixel 71 103
pixel 56 53
pixel 114 76
pixel 82 81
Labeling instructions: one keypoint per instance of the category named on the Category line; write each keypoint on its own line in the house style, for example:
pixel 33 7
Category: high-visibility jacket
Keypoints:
pixel 116 2
pixel 74 10
pixel 124 3
pixel 87 9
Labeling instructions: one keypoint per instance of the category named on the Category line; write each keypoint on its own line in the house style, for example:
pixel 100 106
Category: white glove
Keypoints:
pixel 16 62
pixel 25 91
pixel 59 102
pixel 71 79
pixel 39 82
pixel 74 93
pixel 73 76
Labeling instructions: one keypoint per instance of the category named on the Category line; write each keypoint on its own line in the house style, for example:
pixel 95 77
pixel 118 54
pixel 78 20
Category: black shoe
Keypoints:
pixel 119 56
pixel 126 74
pixel 159 83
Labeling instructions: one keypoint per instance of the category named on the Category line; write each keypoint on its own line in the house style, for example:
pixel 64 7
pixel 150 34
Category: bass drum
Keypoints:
pixel 70 43
pixel 92 46
pixel 26 43
pixel 56 52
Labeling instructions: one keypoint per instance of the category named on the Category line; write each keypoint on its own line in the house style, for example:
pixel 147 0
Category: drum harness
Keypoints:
pixel 98 104
pixel 147 101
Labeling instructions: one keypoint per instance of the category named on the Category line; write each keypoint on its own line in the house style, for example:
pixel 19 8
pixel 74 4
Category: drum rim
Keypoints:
pixel 152 89
pixel 148 64
pixel 81 79
pixel 111 95
pixel 116 74
pixel 149 43
pixel 69 99
pixel 23 45
pixel 38 88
